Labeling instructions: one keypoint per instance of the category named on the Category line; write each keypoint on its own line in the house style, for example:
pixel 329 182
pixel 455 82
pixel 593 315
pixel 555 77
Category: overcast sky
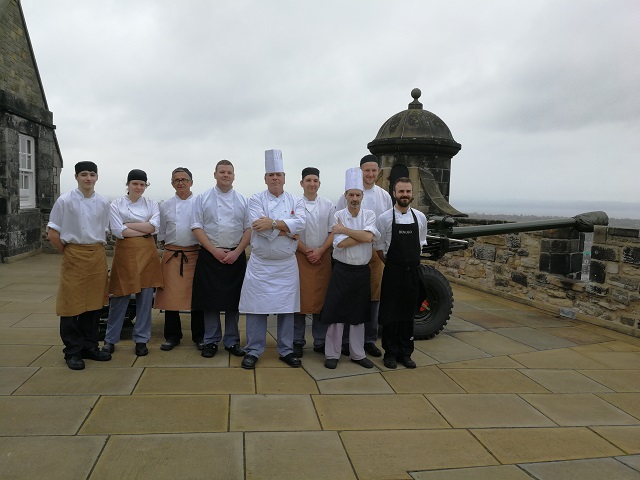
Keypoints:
pixel 542 95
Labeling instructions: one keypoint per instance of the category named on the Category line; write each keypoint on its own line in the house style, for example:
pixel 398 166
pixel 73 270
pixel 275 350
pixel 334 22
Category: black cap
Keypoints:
pixel 369 158
pixel 310 171
pixel 86 167
pixel 137 174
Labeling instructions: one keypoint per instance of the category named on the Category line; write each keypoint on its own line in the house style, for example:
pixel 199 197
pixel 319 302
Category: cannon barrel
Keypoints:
pixel 584 222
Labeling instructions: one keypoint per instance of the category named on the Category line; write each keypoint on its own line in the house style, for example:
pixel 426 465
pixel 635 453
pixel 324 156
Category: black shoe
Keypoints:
pixel 331 363
pixel 97 355
pixel 319 349
pixel 249 362
pixel 141 349
pixel 372 350
pixel 235 350
pixel 209 350
pixel 75 362
pixel 169 345
pixel 199 345
pixel 291 360
pixel 390 362
pixel 345 350
pixel 297 350
pixel 108 347
pixel 363 362
pixel 407 362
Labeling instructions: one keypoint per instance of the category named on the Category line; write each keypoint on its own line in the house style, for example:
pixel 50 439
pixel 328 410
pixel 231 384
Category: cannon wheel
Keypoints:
pixel 434 306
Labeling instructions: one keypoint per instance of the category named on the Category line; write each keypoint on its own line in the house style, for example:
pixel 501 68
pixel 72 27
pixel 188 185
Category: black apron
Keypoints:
pixel 400 280
pixel 216 285
pixel 348 297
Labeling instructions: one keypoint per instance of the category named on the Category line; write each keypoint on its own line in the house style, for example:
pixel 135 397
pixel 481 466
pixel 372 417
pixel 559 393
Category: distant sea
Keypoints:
pixel 620 210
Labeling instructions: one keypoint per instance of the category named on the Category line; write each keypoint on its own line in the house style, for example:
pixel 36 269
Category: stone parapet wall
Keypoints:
pixel 519 267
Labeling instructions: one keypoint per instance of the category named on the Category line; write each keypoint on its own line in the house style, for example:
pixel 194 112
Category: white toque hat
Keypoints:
pixel 273 161
pixel 353 180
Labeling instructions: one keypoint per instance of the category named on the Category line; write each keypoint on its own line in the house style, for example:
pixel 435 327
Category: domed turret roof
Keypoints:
pixel 414 131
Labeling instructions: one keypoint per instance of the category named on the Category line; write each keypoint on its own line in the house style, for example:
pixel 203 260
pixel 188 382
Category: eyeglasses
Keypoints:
pixel 181 180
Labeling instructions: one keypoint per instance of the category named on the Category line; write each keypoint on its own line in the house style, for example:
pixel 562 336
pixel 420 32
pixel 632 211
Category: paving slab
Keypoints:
pixel 24 296
pixel 7 319
pixel 94 381
pixel 269 359
pixel 525 445
pixel 47 306
pixel 564 381
pixel 594 347
pixel 39 320
pixel 355 385
pixel 575 335
pixel 493 343
pixel 33 457
pixel 268 413
pixel 579 409
pixel 491 362
pixel 170 457
pixel 390 454
pixel 488 411
pixel 494 381
pixel 31 287
pixel 626 438
pixel 564 358
pixel 184 355
pixel 376 412
pixel 535 318
pixel 43 415
pixel 617 360
pixel 296 455
pixel 284 380
pixel 620 346
pixel 629 402
pixel 421 380
pixel 144 414
pixel 486 320
pixel 596 469
pixel 616 380
pixel 534 338
pixel 186 380
pixel 632 461
pixel 502 472
pixel 314 366
pixel 445 348
pixel 11 378
pixel 21 355
pixel 456 324
pixel 30 336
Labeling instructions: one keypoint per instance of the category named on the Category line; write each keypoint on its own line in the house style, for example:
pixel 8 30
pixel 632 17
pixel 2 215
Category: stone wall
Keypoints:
pixel 521 267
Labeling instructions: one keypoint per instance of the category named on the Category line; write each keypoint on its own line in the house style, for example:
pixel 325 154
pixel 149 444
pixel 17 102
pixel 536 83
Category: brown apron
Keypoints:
pixel 83 280
pixel 375 280
pixel 314 280
pixel 178 266
pixel 135 266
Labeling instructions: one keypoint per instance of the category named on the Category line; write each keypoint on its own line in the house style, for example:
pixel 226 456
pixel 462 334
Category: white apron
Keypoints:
pixel 270 286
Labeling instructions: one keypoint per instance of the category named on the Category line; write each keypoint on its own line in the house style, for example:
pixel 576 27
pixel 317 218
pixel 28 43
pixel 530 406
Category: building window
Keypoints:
pixel 27 172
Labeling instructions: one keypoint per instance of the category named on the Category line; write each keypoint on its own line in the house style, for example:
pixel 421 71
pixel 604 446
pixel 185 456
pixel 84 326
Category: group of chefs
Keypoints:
pixel 355 263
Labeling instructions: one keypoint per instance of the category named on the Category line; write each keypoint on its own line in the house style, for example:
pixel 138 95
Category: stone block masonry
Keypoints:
pixel 543 269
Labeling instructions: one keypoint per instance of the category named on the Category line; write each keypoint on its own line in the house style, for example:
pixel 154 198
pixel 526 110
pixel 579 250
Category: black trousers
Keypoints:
pixel 79 332
pixel 173 326
pixel 397 339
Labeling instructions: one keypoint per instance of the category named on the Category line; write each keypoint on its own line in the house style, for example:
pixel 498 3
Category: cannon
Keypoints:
pixel 436 297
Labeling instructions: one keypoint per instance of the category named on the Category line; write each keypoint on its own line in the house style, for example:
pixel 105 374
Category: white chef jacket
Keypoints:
pixel 383 224
pixel 375 198
pixel 80 220
pixel 175 222
pixel 224 216
pixel 319 217
pixel 358 254
pixel 123 210
pixel 271 282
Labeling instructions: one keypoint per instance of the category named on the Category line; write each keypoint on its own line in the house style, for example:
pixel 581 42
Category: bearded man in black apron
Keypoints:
pixel 403 231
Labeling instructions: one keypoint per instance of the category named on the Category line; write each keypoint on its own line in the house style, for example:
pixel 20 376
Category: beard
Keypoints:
pixel 404 201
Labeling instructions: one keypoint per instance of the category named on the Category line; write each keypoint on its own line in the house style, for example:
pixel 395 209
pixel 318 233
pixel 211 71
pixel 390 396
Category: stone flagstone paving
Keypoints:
pixel 505 392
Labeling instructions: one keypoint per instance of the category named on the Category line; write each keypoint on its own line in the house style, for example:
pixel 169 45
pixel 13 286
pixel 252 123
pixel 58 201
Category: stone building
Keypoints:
pixel 30 159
